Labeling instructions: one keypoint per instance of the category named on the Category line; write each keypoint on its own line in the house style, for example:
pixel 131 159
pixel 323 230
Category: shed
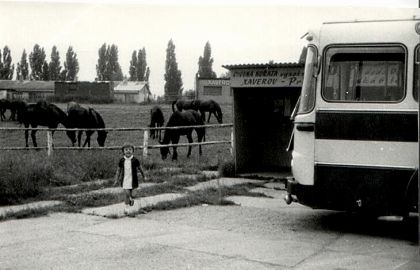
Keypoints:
pixel 132 91
pixel 264 96
pixel 30 91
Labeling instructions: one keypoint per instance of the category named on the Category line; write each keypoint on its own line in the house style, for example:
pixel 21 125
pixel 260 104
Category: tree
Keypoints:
pixel 36 61
pixel 55 66
pixel 22 69
pixel 108 67
pixel 114 67
pixel 71 66
pixel 141 65
pixel 133 66
pixel 139 71
pixel 102 63
pixel 45 76
pixel 6 67
pixel 205 63
pixel 173 80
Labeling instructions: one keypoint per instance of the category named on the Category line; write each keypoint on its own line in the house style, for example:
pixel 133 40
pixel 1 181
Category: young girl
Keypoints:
pixel 126 175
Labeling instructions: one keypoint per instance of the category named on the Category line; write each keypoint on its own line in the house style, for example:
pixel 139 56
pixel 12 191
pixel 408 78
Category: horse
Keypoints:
pixel 41 113
pixel 16 109
pixel 181 104
pixel 212 107
pixel 4 105
pixel 79 117
pixel 184 118
pixel 156 120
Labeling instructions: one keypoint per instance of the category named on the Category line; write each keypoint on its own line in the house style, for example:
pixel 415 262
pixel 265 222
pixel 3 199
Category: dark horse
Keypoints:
pixel 79 117
pixel 16 109
pixel 181 104
pixel 42 114
pixel 184 118
pixel 156 120
pixel 4 105
pixel 212 107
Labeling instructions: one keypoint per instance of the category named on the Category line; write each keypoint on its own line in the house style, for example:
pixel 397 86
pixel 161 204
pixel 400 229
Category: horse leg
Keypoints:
pixel 208 120
pixel 87 141
pixel 34 138
pixel 175 140
pixel 190 140
pixel 26 137
pixel 79 137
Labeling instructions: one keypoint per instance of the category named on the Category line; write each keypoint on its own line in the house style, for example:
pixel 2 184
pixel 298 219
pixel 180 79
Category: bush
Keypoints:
pixel 22 177
pixel 227 168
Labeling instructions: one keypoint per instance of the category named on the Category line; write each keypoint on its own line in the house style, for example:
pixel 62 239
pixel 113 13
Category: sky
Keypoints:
pixel 239 32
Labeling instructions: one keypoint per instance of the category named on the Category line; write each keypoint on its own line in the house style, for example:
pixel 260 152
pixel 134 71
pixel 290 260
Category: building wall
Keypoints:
pixel 216 89
pixel 84 89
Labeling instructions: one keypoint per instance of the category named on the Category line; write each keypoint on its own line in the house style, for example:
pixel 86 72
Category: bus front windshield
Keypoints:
pixel 307 98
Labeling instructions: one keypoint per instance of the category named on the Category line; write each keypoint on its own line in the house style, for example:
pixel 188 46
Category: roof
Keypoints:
pixel 263 65
pixel 131 86
pixel 27 86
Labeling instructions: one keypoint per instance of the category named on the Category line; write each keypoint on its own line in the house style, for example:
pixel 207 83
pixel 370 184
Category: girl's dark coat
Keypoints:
pixel 135 164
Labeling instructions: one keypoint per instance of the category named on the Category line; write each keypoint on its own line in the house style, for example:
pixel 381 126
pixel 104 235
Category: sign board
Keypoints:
pixel 266 77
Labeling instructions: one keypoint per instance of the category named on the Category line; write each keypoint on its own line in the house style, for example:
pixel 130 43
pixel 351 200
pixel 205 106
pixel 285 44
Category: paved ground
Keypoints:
pixel 257 233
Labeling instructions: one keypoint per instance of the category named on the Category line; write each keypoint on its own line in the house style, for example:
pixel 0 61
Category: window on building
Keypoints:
pixel 212 90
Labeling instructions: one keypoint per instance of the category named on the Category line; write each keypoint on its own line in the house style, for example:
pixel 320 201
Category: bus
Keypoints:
pixel 355 144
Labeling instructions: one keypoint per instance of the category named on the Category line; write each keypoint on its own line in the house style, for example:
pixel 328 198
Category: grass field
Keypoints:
pixel 25 173
pixel 126 116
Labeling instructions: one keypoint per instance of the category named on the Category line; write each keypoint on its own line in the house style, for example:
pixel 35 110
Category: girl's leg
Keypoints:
pixel 127 193
pixel 131 197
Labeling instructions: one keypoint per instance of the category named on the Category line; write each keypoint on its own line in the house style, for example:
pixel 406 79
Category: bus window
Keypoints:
pixel 364 74
pixel 417 74
pixel 307 98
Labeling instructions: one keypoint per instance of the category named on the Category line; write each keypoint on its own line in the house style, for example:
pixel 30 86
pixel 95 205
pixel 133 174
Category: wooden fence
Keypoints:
pixel 145 147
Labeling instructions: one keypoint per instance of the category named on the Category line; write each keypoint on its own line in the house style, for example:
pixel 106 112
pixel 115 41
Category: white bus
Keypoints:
pixel 355 133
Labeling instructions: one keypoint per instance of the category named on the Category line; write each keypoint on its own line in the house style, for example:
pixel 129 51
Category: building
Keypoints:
pixel 264 96
pixel 216 89
pixel 85 91
pixel 132 91
pixel 30 91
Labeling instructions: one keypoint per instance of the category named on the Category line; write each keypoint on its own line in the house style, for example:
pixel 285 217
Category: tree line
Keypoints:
pixel 36 66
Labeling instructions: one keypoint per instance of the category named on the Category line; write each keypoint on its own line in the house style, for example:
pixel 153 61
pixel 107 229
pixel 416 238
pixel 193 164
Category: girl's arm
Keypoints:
pixel 117 174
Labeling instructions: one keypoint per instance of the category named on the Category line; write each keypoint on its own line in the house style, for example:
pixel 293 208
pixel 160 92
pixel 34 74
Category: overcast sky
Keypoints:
pixel 249 32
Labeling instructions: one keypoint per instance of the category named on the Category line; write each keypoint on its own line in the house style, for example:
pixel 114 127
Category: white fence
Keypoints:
pixel 145 147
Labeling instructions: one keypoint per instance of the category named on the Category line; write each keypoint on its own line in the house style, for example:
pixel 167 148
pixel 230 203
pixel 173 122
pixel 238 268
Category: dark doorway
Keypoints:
pixel 263 128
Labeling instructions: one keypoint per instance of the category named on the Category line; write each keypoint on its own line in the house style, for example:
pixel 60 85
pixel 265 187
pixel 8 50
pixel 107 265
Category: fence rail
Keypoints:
pixel 145 146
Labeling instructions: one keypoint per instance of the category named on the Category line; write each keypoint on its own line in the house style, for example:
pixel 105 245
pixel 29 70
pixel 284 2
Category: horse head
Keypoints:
pixel 102 137
pixel 164 151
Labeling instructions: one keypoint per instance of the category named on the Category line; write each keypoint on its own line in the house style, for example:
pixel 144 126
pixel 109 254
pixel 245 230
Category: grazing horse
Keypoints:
pixel 181 104
pixel 4 105
pixel 184 118
pixel 212 107
pixel 156 120
pixel 42 114
pixel 79 117
pixel 16 108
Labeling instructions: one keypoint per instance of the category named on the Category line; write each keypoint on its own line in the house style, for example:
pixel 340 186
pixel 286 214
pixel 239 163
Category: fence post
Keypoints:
pixel 231 141
pixel 145 142
pixel 49 143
